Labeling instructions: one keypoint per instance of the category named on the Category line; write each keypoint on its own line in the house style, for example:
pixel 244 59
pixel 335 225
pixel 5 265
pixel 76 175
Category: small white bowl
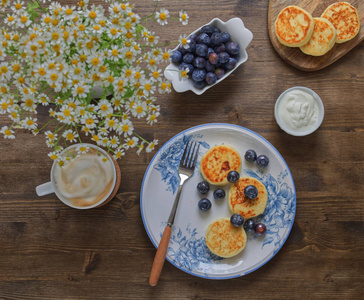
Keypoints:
pixel 320 117
pixel 238 33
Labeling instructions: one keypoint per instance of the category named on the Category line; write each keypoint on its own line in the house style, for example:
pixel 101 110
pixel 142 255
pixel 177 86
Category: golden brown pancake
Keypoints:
pixel 224 239
pixel 322 40
pixel 294 26
pixel 218 162
pixel 247 208
pixel 345 19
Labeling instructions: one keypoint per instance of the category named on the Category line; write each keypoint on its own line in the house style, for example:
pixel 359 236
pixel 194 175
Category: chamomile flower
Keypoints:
pixel 140 147
pixel 131 142
pixel 80 90
pixel 70 135
pixel 82 149
pixel 152 118
pixel 8 133
pixel 125 127
pixel 29 123
pixel 50 135
pixel 162 16
pixel 115 53
pixel 119 152
pixel 104 108
pixel 151 146
pixel 183 74
pixel 5 106
pixel 183 39
pixel 183 17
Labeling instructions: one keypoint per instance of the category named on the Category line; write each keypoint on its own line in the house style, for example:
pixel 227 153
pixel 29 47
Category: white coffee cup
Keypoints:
pixel 62 192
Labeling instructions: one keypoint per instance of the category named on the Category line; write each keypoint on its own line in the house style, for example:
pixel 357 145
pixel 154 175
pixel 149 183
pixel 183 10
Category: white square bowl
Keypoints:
pixel 238 33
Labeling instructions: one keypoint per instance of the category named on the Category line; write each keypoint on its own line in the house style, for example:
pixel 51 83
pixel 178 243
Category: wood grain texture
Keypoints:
pixel 51 251
pixel 294 56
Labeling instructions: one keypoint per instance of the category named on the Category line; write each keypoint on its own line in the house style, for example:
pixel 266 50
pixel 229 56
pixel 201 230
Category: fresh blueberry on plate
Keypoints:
pixel 260 229
pixel 251 192
pixel 204 204
pixel 249 225
pixel 233 176
pixel 250 155
pixel 219 194
pixel 236 220
pixel 262 161
pixel 203 187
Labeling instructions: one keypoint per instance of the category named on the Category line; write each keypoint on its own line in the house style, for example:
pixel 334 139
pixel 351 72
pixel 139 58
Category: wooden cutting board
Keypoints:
pixel 294 56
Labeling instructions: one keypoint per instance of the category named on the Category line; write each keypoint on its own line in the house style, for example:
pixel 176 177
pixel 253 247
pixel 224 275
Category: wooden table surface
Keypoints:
pixel 50 251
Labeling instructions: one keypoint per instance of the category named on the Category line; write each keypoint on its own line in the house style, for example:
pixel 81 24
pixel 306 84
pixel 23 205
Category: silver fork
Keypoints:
pixel 185 171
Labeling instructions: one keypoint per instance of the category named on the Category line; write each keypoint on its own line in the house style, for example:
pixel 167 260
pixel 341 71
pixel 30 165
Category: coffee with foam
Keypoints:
pixel 85 180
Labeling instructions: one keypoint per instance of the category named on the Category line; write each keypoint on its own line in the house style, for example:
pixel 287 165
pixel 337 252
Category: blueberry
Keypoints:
pixel 201 50
pixel 219 72
pixel 193 37
pixel 199 62
pixel 188 58
pixel 251 192
pixel 220 48
pixel 262 161
pixel 210 78
pixel 209 67
pixel 182 50
pixel 209 29
pixel 216 39
pixel 219 194
pixel 204 204
pixel 232 48
pixel 203 38
pixel 213 58
pixel 199 84
pixel 176 56
pixel 249 225
pixel 223 57
pixel 203 187
pixel 185 66
pixel 231 64
pixel 209 51
pixel 260 228
pixel 236 220
pixel 216 29
pixel 250 155
pixel 225 37
pixel 198 74
pixel 233 176
pixel 191 46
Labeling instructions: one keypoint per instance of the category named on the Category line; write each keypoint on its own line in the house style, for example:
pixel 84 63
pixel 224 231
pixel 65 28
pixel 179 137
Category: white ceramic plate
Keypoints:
pixel 187 248
pixel 238 33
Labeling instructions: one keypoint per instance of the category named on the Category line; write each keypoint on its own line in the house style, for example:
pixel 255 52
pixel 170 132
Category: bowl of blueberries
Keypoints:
pixel 210 54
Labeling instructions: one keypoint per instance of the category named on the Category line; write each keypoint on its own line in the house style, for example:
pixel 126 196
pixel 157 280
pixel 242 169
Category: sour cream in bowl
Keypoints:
pixel 299 111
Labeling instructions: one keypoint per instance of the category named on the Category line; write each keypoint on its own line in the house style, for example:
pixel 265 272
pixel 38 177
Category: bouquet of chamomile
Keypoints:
pixel 97 68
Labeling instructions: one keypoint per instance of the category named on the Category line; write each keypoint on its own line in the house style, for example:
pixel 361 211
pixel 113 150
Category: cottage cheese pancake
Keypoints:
pixel 322 40
pixel 294 26
pixel 218 162
pixel 224 239
pixel 345 19
pixel 248 208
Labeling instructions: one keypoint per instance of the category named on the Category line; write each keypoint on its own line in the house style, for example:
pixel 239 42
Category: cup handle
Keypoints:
pixel 44 189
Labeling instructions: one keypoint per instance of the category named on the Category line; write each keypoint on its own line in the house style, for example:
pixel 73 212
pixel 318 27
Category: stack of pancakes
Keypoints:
pixel 222 238
pixel 295 27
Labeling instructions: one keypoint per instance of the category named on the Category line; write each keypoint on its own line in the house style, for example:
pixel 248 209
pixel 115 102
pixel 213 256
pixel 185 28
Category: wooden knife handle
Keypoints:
pixel 160 257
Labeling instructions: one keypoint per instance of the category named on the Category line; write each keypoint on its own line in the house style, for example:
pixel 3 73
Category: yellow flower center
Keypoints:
pixel 113 31
pixel 89 121
pixel 55 22
pixel 111 123
pixel 184 73
pixel 139 109
pixel 151 38
pixel 29 102
pixel 103 107
pixel 95 138
pixel 92 15
pixel 54 156
pixel 137 75
pixel 51 136
pixel 80 90
pixel 113 141
pixel 128 73
pixel 162 16
pixel 97 27
pixel 69 11
pixel 152 62
pixel 67 112
pixel 33 48
pixel 155 74
pixel 183 17
pixel 152 117
pixel 70 136
pixel 47 20
pixel 148 87
pixel 184 41
pixel 103 69
pixel 83 58
pixel 114 52
pixel 163 86
pixel 30 122
pixel 117 102
pixel 4 105
pixel 21 80
pixel 130 142
pixel 125 128
pixel 127 25
pixel 129 54
pixel 41 71
pixel 95 61
pixel 51 66
pixel 24 19
pixel 11 19
pixel 4 69
pixel 81 27
pixel 54 77
pixel 55 36
pixel 110 79
pixel 18 6
pixel 165 55
pixel 77 71
pixel 16 37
